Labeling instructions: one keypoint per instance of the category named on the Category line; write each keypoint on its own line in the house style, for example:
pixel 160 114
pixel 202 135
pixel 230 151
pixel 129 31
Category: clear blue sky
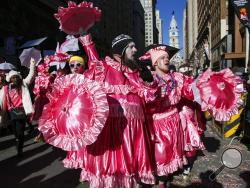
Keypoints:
pixel 166 8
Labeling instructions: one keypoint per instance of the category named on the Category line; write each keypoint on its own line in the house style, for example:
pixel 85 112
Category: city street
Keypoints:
pixel 122 77
pixel 41 166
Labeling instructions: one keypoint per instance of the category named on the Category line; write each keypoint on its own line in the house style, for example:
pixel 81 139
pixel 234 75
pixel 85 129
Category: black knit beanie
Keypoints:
pixel 120 43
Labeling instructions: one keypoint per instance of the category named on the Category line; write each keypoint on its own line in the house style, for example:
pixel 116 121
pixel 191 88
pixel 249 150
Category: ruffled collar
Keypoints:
pixel 116 65
pixel 167 77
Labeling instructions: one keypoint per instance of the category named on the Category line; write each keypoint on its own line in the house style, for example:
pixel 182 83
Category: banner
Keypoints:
pixel 242 8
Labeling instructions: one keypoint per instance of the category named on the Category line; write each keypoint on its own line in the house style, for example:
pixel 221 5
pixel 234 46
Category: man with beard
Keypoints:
pixel 121 156
pixel 16 99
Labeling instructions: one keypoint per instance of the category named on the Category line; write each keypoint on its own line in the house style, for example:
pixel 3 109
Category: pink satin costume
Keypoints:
pixel 121 156
pixel 209 90
pixel 168 132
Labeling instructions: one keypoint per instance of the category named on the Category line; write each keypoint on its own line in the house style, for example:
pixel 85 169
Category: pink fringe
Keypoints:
pixel 118 181
pixel 173 166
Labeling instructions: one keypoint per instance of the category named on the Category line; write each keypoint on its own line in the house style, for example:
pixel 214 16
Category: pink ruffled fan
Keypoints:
pixel 220 93
pixel 76 18
pixel 76 114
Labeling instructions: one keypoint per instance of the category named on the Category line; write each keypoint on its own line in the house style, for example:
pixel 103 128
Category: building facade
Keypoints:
pixel 159 26
pixel 204 35
pixel 192 28
pixel 219 29
pixel 233 52
pixel 22 20
pixel 151 32
pixel 185 33
pixel 221 38
pixel 138 26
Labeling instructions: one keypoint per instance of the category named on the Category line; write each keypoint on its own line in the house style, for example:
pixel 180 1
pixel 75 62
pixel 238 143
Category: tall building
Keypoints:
pixel 159 26
pixel 203 52
pixel 117 18
pixel 190 34
pixel 173 33
pixel 151 32
pixel 219 31
pixel 174 41
pixel 185 33
pixel 192 28
pixel 138 26
pixel 21 21
pixel 126 16
pixel 228 37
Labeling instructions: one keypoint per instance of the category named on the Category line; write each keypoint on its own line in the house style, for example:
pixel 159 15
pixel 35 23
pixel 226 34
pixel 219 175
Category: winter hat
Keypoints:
pixel 120 43
pixel 12 73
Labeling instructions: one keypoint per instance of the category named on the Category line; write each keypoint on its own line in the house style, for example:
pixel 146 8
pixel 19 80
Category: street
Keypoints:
pixel 41 167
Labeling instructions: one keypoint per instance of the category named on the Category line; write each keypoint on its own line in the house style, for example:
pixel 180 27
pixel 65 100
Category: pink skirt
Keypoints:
pixel 74 159
pixel 121 156
pixel 192 139
pixel 169 154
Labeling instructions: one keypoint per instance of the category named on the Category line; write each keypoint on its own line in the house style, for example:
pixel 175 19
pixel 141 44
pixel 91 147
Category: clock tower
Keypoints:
pixel 176 60
pixel 173 33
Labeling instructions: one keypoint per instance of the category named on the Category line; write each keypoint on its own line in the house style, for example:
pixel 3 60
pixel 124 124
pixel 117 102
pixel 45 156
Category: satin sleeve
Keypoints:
pixel 187 91
pixel 148 91
pixel 90 49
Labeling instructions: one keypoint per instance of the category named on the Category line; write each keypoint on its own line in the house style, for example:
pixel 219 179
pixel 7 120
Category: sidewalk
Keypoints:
pixel 209 160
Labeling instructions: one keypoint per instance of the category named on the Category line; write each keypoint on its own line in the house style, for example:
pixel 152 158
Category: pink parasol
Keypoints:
pixel 220 93
pixel 77 18
pixel 76 114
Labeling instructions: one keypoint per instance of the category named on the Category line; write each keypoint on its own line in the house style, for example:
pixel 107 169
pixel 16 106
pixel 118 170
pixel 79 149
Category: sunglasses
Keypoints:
pixel 72 65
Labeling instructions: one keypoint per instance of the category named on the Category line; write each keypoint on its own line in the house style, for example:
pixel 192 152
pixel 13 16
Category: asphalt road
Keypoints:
pixel 41 166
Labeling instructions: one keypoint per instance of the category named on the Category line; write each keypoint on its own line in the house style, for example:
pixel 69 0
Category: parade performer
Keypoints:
pixel 76 64
pixel 211 90
pixel 193 128
pixel 120 157
pixel 3 114
pixel 47 73
pixel 15 98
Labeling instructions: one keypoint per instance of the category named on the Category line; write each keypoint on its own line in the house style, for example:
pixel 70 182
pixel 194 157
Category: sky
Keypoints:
pixel 166 8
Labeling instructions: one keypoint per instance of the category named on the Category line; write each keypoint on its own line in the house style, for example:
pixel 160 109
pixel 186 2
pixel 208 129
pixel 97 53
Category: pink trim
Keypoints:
pixel 119 89
pixel 74 8
pixel 173 166
pixel 220 113
pixel 190 147
pixel 163 115
pixel 47 122
pixel 73 164
pixel 116 180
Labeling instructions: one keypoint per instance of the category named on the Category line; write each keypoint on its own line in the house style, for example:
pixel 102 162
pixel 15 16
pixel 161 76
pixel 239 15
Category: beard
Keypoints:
pixel 132 64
